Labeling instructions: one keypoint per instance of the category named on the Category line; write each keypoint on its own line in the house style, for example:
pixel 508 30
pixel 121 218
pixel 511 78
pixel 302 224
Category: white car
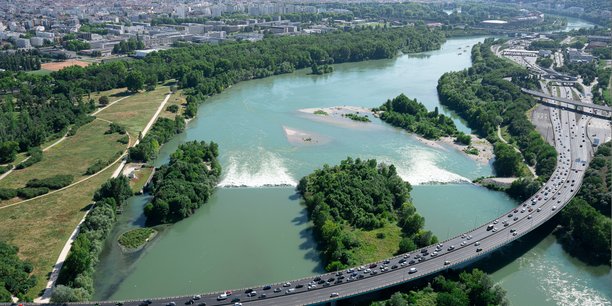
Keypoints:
pixel 412 270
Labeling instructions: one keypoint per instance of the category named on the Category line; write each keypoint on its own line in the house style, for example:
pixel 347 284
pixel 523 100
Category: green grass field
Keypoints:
pixel 72 156
pixel 40 72
pixel 135 112
pixel 41 227
pixel 373 248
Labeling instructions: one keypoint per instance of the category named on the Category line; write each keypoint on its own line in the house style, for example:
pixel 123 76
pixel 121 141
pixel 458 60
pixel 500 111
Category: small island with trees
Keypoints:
pixel 361 213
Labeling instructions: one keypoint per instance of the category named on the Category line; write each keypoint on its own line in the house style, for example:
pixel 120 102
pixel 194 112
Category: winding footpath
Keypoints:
pixel 63 137
pixel 57 267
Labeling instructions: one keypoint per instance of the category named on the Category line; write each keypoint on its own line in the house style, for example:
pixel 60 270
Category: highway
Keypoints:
pixel 574 150
pixel 567 100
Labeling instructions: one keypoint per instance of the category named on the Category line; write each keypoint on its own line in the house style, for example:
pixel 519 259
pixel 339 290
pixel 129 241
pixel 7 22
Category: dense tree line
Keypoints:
pixel 161 131
pixel 413 116
pixel 20 60
pixel 76 45
pixel 128 46
pixel 468 288
pixel 586 223
pixel 33 109
pixel 184 184
pixel 360 195
pixel 15 278
pixel 482 96
pixel 75 282
pixel 37 107
pixel 591 9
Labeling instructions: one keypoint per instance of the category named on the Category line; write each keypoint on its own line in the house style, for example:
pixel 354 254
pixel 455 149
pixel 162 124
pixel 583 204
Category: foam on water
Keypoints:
pixel 419 167
pixel 256 169
pixel 562 287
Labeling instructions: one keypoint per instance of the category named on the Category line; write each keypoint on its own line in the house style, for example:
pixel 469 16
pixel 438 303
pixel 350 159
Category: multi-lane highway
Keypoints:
pixel 575 149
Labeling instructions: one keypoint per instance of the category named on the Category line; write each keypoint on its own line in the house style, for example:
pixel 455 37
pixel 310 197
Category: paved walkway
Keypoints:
pixel 46 297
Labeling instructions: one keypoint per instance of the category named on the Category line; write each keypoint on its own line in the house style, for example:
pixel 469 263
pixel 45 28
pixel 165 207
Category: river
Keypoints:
pixel 259 234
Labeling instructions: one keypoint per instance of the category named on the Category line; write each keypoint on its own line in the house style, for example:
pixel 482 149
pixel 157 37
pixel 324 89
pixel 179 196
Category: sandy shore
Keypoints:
pixel 302 137
pixel 485 149
pixel 336 115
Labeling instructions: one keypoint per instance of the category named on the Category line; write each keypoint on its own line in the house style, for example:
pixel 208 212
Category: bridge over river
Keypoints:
pixel 574 150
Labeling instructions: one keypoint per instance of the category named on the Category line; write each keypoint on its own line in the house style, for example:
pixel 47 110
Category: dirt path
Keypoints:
pixel 46 297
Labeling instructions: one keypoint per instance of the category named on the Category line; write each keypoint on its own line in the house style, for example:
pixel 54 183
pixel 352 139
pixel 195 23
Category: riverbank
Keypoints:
pixel 337 115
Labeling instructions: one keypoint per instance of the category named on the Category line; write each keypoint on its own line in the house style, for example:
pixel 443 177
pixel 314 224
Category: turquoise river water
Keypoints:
pixel 259 234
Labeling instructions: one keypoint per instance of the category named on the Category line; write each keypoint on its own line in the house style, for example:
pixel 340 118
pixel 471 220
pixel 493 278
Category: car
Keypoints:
pixel 222 297
pixel 189 302
pixel 228 292
pixel 171 304
pixel 338 273
pixel 202 304
pixel 412 262
pixel 372 266
pixel 386 262
pixel 334 294
pixel 478 249
pixel 196 297
pixel 267 287
pixel 463 243
pixel 374 272
pixel 290 290
pixel 423 251
pixel 554 207
pixel 446 262
pixel 287 284
pixel 496 221
pixel 320 282
pixel 360 276
pixel 477 243
pixel 331 279
pixel 490 227
pixel 539 209
pixel 450 248
pixel 514 234
pixel 237 304
pixel 513 230
pixel 469 237
pixel 515 218
pixel 510 215
pixel 394 267
pixel 412 270
pixel 494 229
pixel 248 291
pixel 298 286
pixel 277 290
pixel 263 296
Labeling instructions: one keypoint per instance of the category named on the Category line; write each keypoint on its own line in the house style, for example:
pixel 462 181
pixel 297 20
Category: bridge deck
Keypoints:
pixel 565 100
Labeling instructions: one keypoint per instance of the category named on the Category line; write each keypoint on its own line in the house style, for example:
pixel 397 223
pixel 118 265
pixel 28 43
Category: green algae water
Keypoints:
pixel 260 233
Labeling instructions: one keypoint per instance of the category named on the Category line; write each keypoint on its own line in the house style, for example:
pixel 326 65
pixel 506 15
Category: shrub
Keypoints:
pixel 35 154
pixel 115 128
pixel 54 182
pixel 7 193
pixel 124 140
pixel 103 100
pixel 28 193
pixel 172 108
pixel 97 166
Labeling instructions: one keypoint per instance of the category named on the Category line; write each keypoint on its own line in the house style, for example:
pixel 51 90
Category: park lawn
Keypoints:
pixel 135 112
pixel 142 176
pixel 177 99
pixel 41 227
pixel 72 156
pixel 112 94
pixel 40 72
pixel 372 248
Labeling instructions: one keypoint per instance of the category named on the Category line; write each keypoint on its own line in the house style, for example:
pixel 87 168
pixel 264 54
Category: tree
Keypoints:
pixel 65 294
pixel 103 100
pixel 134 81
pixel 8 151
